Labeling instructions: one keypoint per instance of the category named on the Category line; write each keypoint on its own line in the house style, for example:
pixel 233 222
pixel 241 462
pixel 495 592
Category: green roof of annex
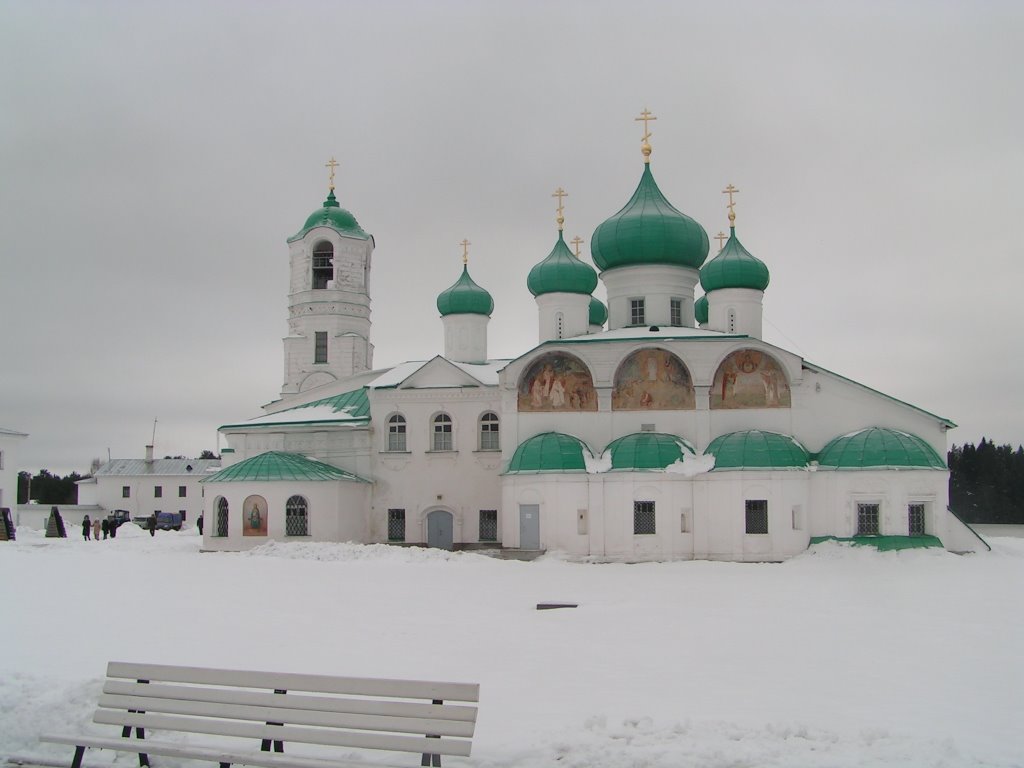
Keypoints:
pixel 879 448
pixel 331 215
pixel 276 466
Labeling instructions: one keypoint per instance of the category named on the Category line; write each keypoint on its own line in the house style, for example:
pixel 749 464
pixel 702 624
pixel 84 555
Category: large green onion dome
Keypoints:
pixel 734 267
pixel 647 450
pixel 598 312
pixel 648 230
pixel 700 310
pixel 549 452
pixel 561 272
pixel 334 216
pixel 879 448
pixel 465 298
pixel 754 449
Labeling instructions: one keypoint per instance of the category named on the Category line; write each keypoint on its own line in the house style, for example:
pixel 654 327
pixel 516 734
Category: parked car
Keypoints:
pixel 119 516
pixel 165 521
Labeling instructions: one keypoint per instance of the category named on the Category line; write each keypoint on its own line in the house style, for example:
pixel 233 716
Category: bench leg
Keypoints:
pixel 278 745
pixel 431 760
pixel 77 761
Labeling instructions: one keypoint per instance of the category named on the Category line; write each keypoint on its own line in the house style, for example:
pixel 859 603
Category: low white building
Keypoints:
pixel 9 443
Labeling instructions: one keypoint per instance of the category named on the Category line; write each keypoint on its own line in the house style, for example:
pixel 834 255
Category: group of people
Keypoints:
pixel 93 528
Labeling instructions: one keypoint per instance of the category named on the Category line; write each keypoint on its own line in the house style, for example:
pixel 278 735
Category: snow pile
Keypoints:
pixel 691 465
pixel 596 465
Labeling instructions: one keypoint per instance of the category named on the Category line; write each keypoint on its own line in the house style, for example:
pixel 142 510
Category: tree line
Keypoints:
pixel 986 482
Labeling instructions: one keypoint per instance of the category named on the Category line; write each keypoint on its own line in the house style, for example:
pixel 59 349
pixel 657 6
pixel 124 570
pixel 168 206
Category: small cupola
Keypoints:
pixel 465 310
pixel 598 315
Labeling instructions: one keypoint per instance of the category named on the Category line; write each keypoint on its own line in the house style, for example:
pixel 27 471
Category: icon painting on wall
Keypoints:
pixel 254 516
pixel 653 379
pixel 557 382
pixel 750 379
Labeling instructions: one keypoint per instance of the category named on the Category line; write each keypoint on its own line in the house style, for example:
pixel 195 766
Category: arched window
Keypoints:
pixel 222 517
pixel 442 435
pixel 396 433
pixel 489 438
pixel 323 264
pixel 296 522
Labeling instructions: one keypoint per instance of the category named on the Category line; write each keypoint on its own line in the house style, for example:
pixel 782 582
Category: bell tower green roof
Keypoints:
pixel 465 298
pixel 561 272
pixel 334 216
pixel 734 267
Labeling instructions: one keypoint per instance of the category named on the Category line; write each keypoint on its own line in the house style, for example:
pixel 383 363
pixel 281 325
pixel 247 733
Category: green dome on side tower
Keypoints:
pixel 734 267
pixel 700 310
pixel 465 298
pixel 334 216
pixel 561 272
pixel 598 312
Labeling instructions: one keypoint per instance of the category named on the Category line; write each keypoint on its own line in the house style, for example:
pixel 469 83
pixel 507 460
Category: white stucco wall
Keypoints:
pixel 656 285
pixel 9 444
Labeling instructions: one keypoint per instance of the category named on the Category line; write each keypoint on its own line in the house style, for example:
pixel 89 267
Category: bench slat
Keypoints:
pixel 365 686
pixel 294 700
pixel 286 714
pixel 443 746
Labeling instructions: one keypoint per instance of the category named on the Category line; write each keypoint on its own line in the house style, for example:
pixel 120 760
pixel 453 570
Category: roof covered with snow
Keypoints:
pixel 136 467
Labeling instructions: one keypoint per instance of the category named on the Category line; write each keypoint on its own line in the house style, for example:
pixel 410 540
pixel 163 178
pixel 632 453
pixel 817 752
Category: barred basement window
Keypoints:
pixel 323 264
pixel 757 516
pixel 158 492
pixel 442 438
pixel 489 439
pixel 915 513
pixel 182 491
pixel 222 517
pixel 643 517
pixel 126 491
pixel 488 525
pixel 675 311
pixel 396 433
pixel 636 312
pixel 867 520
pixel 320 347
pixel 296 521
pixel 396 525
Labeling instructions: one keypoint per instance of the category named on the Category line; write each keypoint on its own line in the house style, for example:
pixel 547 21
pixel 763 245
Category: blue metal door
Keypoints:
pixel 440 530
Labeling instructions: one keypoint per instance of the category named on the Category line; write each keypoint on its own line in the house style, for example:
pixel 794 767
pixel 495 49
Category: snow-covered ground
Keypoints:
pixel 840 657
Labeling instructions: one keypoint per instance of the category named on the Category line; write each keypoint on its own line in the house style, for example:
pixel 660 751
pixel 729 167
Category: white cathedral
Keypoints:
pixel 661 427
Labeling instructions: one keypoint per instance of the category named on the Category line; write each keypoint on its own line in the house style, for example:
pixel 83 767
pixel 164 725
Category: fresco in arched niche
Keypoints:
pixel 652 379
pixel 254 516
pixel 750 379
pixel 557 382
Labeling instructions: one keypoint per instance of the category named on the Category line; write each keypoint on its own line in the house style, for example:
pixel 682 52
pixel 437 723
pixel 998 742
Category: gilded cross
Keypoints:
pixel 645 116
pixel 332 165
pixel 730 191
pixel 576 241
pixel 465 250
pixel 721 237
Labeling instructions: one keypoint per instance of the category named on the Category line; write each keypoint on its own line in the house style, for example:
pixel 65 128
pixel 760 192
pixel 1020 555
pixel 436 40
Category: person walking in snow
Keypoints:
pixel 96 529
pixel 199 523
pixel 151 524
pixel 86 528
pixel 105 525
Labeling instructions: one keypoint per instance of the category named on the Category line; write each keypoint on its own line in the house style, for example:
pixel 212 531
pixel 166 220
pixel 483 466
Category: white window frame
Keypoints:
pixel 675 312
pixel 637 311
pixel 490 425
pixel 442 433
pixel 398 427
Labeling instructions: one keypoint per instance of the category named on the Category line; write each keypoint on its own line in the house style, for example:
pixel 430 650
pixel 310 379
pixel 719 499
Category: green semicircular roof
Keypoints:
pixel 754 449
pixel 598 312
pixel 465 297
pixel 700 310
pixel 878 447
pixel 734 267
pixel 274 466
pixel 549 452
pixel 334 216
pixel 649 230
pixel 647 450
pixel 561 272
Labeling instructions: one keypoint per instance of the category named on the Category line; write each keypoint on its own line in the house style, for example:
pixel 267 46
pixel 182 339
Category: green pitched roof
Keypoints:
pixel 334 216
pixel 648 230
pixel 878 447
pixel 549 452
pixel 754 449
pixel 647 450
pixel 465 298
pixel 734 267
pixel 278 466
pixel 598 312
pixel 561 272
pixel 700 310
pixel 885 543
pixel 351 406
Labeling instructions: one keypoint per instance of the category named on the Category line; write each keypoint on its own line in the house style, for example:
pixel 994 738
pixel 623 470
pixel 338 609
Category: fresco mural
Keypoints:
pixel 750 379
pixel 557 382
pixel 254 516
pixel 653 379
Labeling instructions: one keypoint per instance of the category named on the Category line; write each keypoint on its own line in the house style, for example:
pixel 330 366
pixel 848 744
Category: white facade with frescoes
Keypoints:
pixel 648 439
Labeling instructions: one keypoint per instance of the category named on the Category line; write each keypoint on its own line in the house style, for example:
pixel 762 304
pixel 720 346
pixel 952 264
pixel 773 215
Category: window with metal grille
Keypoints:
pixel 637 315
pixel 396 525
pixel 488 525
pixel 323 264
pixel 643 517
pixel 675 311
pixel 867 520
pixel 757 515
pixel 126 491
pixel 489 437
pixel 320 347
pixel 158 492
pixel 222 517
pixel 442 433
pixel 296 521
pixel 182 491
pixel 396 433
pixel 915 514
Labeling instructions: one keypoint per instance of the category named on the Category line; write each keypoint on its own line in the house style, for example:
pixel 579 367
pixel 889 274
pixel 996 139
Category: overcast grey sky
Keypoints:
pixel 154 157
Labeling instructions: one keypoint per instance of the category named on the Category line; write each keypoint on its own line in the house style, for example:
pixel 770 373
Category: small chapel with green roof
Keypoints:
pixel 658 426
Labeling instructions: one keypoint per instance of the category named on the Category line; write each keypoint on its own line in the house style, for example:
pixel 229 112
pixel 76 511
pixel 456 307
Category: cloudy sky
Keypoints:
pixel 155 156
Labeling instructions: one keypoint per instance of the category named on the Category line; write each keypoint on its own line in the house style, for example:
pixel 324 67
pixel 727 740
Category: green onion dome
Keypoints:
pixel 334 216
pixel 549 452
pixel 648 230
pixel 561 272
pixel 734 267
pixel 879 448
pixel 754 449
pixel 598 312
pixel 647 450
pixel 700 310
pixel 465 298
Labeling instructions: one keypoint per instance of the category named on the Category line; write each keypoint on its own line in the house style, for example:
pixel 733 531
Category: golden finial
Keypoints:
pixel 576 241
pixel 721 237
pixel 730 191
pixel 645 147
pixel 560 193
pixel 332 165
pixel 465 251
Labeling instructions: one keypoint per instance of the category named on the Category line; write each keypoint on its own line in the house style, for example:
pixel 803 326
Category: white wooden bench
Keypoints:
pixel 235 717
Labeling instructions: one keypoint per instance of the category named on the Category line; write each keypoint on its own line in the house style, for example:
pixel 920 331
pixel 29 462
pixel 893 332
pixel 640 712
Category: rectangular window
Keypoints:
pixel 184 514
pixel 158 492
pixel 867 520
pixel 182 491
pixel 488 525
pixel 320 347
pixel 1 459
pixel 643 517
pixel 915 514
pixel 489 440
pixel 396 525
pixel 675 311
pixel 126 491
pixel 637 316
pixel 757 515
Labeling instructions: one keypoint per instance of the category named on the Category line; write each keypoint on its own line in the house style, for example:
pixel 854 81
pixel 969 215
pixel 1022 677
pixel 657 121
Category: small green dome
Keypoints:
pixel 598 312
pixel 879 448
pixel 700 310
pixel 334 216
pixel 465 298
pixel 754 449
pixel 549 452
pixel 647 450
pixel 734 267
pixel 648 230
pixel 561 272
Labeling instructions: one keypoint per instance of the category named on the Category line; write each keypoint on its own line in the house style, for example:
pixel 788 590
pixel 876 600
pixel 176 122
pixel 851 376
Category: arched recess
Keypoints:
pixel 254 516
pixel 323 264
pixel 750 378
pixel 557 381
pixel 653 379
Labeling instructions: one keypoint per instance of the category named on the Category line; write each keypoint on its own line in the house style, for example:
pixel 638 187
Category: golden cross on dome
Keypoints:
pixel 730 191
pixel 465 250
pixel 560 193
pixel 332 165
pixel 645 147
pixel 721 237
pixel 576 241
